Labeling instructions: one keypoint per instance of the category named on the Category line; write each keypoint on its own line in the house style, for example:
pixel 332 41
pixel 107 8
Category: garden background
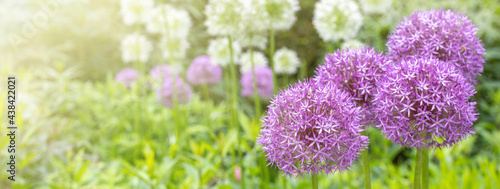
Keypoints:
pixel 76 121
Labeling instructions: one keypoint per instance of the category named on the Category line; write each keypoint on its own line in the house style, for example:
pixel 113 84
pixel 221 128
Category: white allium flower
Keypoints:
pixel 286 61
pixel 135 47
pixel 337 19
pixel 224 17
pixel 218 50
pixel 375 6
pixel 352 43
pixel 135 11
pixel 255 16
pixel 282 13
pixel 175 47
pixel 258 59
pixel 168 20
pixel 251 39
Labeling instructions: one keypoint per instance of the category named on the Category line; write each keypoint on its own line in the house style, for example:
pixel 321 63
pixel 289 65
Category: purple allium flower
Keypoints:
pixel 424 102
pixel 446 35
pixel 127 76
pixel 165 94
pixel 264 81
pixel 312 127
pixel 162 71
pixel 357 72
pixel 203 71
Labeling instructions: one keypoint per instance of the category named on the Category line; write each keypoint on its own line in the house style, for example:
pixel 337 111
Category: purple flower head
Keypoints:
pixel 203 71
pixel 127 76
pixel 425 103
pixel 446 35
pixel 264 79
pixel 162 71
pixel 357 72
pixel 165 93
pixel 312 127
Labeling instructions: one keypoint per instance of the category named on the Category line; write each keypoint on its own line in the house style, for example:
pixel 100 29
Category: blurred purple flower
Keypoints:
pixel 165 93
pixel 264 81
pixel 161 71
pixel 127 76
pixel 203 71
pixel 311 127
pixel 425 103
pixel 446 35
pixel 357 72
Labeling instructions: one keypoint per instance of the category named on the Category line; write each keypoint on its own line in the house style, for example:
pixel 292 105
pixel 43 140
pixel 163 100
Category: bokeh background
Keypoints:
pixel 75 119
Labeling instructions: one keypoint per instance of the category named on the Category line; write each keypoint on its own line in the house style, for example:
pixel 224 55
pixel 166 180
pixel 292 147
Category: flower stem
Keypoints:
pixel 418 170
pixel 255 89
pixel 207 99
pixel 366 166
pixel 425 168
pixel 315 180
pixel 235 110
pixel 271 58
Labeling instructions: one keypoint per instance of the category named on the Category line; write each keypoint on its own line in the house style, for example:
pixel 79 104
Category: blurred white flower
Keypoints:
pixel 252 39
pixel 174 47
pixel 135 11
pixel 218 50
pixel 135 47
pixel 286 61
pixel 224 17
pixel 281 13
pixel 337 19
pixel 258 59
pixel 352 43
pixel 375 6
pixel 168 20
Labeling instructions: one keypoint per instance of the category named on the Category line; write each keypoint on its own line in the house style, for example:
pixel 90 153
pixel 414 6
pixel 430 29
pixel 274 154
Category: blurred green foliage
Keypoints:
pixel 78 124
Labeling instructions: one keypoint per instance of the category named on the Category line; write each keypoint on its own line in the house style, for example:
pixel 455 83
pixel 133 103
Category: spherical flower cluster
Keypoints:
pixel 263 79
pixel 203 71
pixel 282 13
pixel 446 35
pixel 224 17
pixel 135 47
pixel 311 128
pixel 127 76
pixel 356 71
pixel 352 43
pixel 252 39
pixel 175 47
pixel 337 19
pixel 375 6
pixel 424 102
pixel 252 57
pixel 218 50
pixel 165 93
pixel 286 61
pixel 134 11
pixel 162 71
pixel 170 21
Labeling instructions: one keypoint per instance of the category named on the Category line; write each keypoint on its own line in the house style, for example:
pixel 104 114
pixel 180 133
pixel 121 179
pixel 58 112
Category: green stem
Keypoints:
pixel 418 170
pixel 425 168
pixel 271 58
pixel 284 183
pixel 255 89
pixel 234 110
pixel 366 165
pixel 315 180
pixel 207 98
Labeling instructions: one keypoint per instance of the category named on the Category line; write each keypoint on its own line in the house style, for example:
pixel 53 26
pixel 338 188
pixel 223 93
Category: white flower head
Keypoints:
pixel 218 50
pixel 282 13
pixel 224 17
pixel 251 39
pixel 286 61
pixel 135 47
pixel 135 11
pixel 352 43
pixel 337 19
pixel 375 6
pixel 174 47
pixel 168 20
pixel 258 59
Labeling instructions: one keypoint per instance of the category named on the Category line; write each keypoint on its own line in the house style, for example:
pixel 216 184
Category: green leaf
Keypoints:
pixel 81 171
pixel 27 159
